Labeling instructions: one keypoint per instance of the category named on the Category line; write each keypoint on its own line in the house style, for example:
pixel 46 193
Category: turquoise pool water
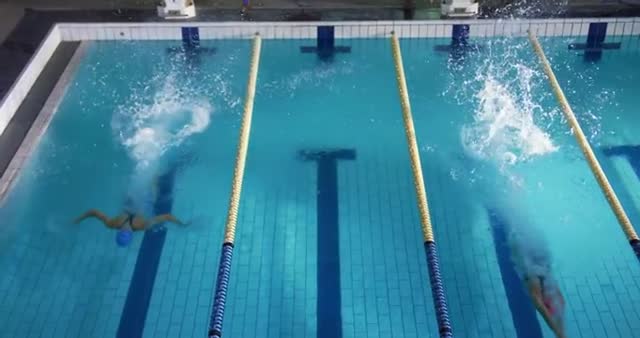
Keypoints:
pixel 537 182
pixel 496 155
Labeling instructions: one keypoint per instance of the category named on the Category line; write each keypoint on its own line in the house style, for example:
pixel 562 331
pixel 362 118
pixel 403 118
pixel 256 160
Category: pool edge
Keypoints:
pixel 42 120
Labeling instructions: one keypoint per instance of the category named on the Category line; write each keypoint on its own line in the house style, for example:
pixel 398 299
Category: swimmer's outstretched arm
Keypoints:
pixel 94 213
pixel 165 218
pixel 535 290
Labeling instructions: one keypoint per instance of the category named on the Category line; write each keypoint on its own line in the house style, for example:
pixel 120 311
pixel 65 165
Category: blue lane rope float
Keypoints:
pixel 224 270
pixel 590 156
pixel 437 291
pixel 222 284
pixel 437 286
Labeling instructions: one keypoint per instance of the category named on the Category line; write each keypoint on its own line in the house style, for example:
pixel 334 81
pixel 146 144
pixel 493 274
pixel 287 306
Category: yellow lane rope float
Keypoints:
pixel 437 286
pixel 615 204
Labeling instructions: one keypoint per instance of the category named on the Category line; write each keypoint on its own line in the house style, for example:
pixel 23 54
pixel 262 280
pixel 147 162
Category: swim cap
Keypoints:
pixel 124 237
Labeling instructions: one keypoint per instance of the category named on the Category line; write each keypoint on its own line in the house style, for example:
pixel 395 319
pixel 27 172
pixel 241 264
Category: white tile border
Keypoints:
pixel 344 29
pixel 41 123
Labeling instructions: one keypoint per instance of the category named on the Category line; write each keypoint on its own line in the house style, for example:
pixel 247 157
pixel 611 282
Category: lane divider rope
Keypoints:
pixel 435 279
pixel 224 268
pixel 599 174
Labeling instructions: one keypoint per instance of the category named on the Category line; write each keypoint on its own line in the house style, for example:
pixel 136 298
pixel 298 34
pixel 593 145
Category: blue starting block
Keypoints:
pixel 595 42
pixel 325 46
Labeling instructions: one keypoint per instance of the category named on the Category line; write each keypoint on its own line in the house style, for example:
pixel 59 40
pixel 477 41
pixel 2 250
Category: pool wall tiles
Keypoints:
pixel 27 77
pixel 405 29
pixel 41 122
pixel 305 30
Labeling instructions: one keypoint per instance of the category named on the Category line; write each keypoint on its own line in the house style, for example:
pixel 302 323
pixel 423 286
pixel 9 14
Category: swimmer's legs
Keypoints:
pixel 114 223
pixel 165 218
pixel 92 213
pixel 553 320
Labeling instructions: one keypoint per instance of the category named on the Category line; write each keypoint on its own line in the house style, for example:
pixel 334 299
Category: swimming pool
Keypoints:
pixel 561 198
pixel 137 111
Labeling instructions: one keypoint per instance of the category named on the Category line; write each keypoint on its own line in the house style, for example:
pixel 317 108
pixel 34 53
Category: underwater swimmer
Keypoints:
pixel 127 222
pixel 500 190
pixel 130 219
pixel 548 300
pixel 533 263
pixel 530 255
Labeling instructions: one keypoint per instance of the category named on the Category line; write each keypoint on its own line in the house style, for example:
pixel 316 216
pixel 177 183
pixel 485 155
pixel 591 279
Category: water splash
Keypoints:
pixel 161 113
pixel 508 124
pixel 503 127
pixel 148 128
pixel 525 9
pixel 595 99
pixel 317 75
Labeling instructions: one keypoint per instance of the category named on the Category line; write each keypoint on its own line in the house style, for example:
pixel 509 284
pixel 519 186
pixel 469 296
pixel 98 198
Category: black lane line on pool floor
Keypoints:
pixel 630 152
pixel 523 313
pixel 595 44
pixel 632 155
pixel 329 316
pixel 459 46
pixel 325 47
pixel 191 49
pixel 135 309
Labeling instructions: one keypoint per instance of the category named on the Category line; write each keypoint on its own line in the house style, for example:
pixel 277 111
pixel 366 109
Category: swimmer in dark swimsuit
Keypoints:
pixel 127 222
pixel 134 222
